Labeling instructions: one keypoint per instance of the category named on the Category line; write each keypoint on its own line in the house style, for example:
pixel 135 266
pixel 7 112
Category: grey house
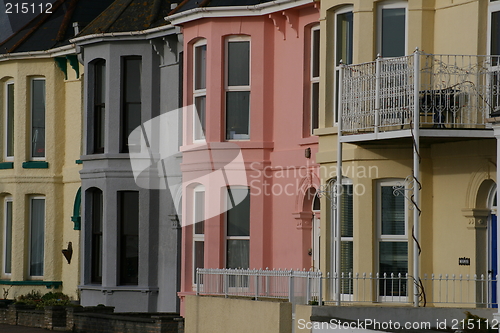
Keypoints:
pixel 130 234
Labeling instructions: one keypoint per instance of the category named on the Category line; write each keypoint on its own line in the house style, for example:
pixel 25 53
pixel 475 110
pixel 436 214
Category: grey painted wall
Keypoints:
pixel 159 237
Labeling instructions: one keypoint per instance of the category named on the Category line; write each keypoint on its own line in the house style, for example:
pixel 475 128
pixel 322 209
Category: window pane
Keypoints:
pixel 393 212
pixel 393 32
pixel 199 213
pixel 346 211
pixel 38 119
pixel 237 115
pixel 129 237
pixel 37 237
pixel 344 38
pixel 99 105
pixel 238 217
pixel 199 129
pixel 131 113
pixel 238 66
pixel 200 67
pixel 97 247
pixel 346 266
pixel 315 105
pixel 393 257
pixel 315 53
pixel 10 120
pixel 495 33
pixel 238 253
pixel 8 237
pixel 199 257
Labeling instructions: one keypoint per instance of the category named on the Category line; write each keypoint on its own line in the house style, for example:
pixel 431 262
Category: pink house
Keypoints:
pixel 252 72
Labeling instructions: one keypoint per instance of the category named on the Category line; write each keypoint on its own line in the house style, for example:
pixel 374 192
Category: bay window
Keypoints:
pixel 391 28
pixel 38 118
pixel 9 120
pixel 37 236
pixel 238 227
pixel 200 90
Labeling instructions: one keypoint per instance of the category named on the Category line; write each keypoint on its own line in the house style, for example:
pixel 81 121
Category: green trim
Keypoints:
pixel 79 162
pixel 63 66
pixel 35 165
pixel 76 210
pixel 73 61
pixel 6 165
pixel 48 284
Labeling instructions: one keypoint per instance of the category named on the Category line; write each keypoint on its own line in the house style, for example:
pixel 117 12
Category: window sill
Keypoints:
pixel 6 165
pixel 35 165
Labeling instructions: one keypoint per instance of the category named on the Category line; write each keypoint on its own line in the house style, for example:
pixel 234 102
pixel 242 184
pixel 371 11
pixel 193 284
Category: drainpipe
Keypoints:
pixel 338 189
pixel 416 177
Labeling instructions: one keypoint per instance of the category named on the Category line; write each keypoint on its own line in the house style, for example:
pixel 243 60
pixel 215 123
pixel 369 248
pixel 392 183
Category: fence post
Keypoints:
pixel 256 284
pixel 226 284
pixel 320 290
pixel 377 93
pixel 290 287
pixel 197 281
pixel 308 287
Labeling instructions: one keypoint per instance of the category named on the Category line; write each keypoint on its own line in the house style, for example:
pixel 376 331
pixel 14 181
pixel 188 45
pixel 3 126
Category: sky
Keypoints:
pixel 13 21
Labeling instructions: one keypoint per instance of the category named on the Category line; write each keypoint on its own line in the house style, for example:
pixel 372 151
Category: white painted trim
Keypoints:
pixel 37 78
pixel 36 277
pixel 4 238
pixel 391 4
pixel 235 11
pixel 228 88
pixel 6 117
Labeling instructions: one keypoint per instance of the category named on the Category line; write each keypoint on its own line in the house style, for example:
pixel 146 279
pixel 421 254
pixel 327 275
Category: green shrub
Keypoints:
pixel 40 301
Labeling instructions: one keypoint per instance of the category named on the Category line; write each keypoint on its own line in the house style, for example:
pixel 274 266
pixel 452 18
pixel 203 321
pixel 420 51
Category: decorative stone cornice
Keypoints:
pixel 476 217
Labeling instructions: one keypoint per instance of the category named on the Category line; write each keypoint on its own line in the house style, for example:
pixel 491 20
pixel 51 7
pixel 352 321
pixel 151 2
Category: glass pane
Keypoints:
pixel 199 213
pixel 131 114
pixel 393 32
pixel 97 213
pixel 238 217
pixel 393 258
pixel 346 211
pixel 37 236
pixel 238 64
pixel 315 105
pixel 237 115
pixel 10 120
pixel 344 38
pixel 495 33
pixel 346 266
pixel 129 237
pixel 99 105
pixel 200 67
pixel 315 53
pixel 238 254
pixel 199 128
pixel 393 212
pixel 8 237
pixel 38 119
pixel 199 257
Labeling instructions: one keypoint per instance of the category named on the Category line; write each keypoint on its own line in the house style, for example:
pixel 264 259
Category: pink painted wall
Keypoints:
pixel 280 221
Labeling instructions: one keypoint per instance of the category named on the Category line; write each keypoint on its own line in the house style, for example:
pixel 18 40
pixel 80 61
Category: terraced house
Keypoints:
pixel 129 241
pixel 41 94
pixel 408 90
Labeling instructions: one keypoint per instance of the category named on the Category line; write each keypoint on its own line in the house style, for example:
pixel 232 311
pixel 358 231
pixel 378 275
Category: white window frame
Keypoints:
pixel 229 88
pixel 494 70
pixel 492 8
pixel 343 10
pixel 197 237
pixel 6 126
pixel 391 4
pixel 4 244
pixel 30 234
pixel 391 238
pixel 314 80
pixel 197 93
pixel 33 158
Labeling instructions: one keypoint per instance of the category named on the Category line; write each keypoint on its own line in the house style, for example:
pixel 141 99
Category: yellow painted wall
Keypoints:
pixel 216 314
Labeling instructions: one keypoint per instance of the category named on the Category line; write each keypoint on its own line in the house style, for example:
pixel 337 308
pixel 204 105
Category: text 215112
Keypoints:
pixel 28 8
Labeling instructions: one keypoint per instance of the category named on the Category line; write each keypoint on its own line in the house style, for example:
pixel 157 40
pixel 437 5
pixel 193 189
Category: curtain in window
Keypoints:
pixel 37 237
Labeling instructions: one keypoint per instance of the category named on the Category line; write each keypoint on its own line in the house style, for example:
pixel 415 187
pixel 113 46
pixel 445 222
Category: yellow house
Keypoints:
pixel 40 147
pixel 407 88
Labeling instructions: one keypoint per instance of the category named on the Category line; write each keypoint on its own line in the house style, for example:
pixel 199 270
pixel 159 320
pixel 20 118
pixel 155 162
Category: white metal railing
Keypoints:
pixel 308 287
pixel 454 91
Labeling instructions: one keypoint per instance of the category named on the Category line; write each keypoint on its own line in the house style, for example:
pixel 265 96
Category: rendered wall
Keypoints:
pixel 215 314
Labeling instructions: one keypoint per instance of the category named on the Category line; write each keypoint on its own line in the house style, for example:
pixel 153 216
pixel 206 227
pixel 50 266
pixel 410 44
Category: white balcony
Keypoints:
pixel 440 95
